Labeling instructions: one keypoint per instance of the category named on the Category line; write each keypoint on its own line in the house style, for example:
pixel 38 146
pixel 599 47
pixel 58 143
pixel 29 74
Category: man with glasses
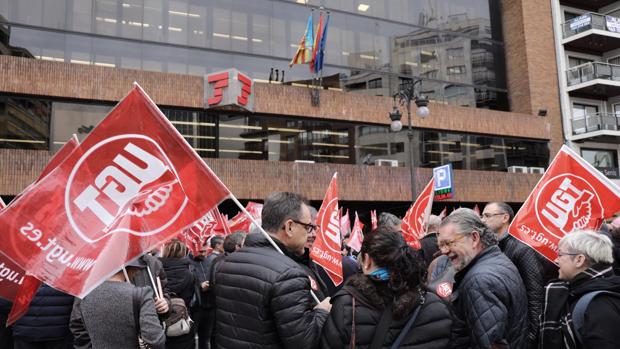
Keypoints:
pixel 497 216
pixel 262 296
pixel 488 294
pixel 582 308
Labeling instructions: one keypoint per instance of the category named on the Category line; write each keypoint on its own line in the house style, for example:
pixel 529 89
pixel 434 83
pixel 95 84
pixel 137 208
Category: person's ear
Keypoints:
pixel 288 228
pixel 580 261
pixel 475 237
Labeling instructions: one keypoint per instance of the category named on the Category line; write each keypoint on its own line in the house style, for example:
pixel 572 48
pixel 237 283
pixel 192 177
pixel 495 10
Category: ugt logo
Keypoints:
pixel 125 184
pixel 567 202
pixel 330 225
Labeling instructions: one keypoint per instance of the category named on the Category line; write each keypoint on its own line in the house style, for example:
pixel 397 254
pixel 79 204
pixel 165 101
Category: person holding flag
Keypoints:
pixel 386 305
pixel 264 291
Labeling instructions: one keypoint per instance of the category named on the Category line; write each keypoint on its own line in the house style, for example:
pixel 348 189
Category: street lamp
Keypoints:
pixel 404 97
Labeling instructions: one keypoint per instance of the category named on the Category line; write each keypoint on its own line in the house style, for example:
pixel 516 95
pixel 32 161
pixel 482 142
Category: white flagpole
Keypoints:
pixel 273 243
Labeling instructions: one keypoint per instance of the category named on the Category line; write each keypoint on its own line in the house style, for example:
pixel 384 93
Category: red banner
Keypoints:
pixel 415 222
pixel 241 222
pixel 357 237
pixel 30 285
pixel 345 225
pixel 326 249
pixel 373 219
pixel 571 195
pixel 133 183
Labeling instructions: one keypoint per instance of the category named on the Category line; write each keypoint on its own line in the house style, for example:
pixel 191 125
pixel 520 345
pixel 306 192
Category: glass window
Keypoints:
pixel 24 123
pixel 603 160
pixel 73 118
pixel 178 16
pixel 198 129
pixel 241 137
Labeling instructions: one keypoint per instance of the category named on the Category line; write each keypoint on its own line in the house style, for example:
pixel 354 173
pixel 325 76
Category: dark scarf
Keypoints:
pixel 556 330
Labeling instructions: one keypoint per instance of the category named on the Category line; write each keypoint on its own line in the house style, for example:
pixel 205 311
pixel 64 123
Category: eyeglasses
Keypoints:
pixel 309 226
pixel 560 254
pixel 489 215
pixel 448 244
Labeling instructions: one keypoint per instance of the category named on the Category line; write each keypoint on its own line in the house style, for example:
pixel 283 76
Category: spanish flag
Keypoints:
pixel 304 51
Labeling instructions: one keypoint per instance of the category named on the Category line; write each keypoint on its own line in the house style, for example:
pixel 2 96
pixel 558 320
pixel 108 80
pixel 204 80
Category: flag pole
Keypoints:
pixel 273 243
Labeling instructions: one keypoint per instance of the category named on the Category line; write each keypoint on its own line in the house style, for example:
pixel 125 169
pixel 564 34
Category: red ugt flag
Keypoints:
pixel 373 219
pixel 415 221
pixel 241 222
pixel 326 249
pixel 356 238
pixel 133 183
pixel 345 225
pixel 571 195
pixel 11 275
pixel 30 285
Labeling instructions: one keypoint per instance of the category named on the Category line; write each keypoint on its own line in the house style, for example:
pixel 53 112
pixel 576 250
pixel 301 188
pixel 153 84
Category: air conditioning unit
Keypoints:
pixel 517 169
pixel 540 170
pixel 304 161
pixel 386 162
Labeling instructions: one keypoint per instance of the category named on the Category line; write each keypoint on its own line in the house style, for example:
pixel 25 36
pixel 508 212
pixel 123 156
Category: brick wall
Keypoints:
pixel 531 66
pixel 252 179
pixel 56 79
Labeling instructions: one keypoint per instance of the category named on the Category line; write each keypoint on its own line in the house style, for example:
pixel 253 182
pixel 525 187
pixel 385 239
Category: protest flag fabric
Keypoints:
pixel 345 225
pixel 241 222
pixel 11 274
pixel 443 213
pixel 222 225
pixel 415 222
pixel 571 195
pixel 319 51
pixel 29 285
pixel 132 184
pixel 373 219
pixel 357 237
pixel 477 209
pixel 326 249
pixel 317 42
pixel 306 45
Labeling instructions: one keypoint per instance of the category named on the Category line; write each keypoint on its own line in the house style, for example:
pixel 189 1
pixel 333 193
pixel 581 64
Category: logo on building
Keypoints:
pixel 229 88
pixel 123 184
pixel 567 202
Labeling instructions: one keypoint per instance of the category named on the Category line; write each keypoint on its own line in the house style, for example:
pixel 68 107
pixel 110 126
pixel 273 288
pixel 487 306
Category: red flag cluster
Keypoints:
pixel 133 183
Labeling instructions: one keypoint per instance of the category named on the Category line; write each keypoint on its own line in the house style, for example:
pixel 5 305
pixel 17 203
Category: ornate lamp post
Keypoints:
pixel 405 96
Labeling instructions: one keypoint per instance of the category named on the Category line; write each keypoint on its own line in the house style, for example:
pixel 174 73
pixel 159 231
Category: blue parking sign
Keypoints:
pixel 443 182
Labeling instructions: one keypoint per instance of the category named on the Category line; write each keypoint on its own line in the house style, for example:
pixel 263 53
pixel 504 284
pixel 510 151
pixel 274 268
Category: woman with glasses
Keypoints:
pixel 386 306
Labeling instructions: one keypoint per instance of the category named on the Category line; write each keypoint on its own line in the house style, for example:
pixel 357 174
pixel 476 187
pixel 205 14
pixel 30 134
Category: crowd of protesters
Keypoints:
pixel 470 285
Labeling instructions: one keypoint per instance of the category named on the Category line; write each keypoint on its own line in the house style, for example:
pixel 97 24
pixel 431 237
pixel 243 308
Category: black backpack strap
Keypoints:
pixel 579 311
pixel 405 331
pixel 135 299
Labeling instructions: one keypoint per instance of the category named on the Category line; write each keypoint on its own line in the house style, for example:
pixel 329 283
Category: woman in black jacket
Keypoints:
pixel 181 282
pixel 390 287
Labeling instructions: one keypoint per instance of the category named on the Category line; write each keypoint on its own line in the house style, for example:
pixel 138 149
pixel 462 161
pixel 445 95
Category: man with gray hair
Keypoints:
pixel 582 309
pixel 389 220
pixel 498 216
pixel 488 292
pixel 262 296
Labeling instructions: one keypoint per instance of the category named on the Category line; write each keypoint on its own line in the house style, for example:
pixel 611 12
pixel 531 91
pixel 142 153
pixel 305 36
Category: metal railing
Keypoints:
pixel 592 70
pixel 596 122
pixel 590 21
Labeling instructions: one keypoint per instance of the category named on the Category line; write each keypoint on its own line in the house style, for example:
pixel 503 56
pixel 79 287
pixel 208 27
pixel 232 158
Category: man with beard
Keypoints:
pixel 488 292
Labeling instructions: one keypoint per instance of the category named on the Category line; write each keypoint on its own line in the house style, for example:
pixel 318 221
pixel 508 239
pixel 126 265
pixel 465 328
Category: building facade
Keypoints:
pixel 65 63
pixel 588 53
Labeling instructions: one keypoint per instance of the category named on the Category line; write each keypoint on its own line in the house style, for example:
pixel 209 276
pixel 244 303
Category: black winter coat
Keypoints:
pixel 431 329
pixel 490 297
pixel 181 279
pixel 47 317
pixel 263 300
pixel 531 272
pixel 429 247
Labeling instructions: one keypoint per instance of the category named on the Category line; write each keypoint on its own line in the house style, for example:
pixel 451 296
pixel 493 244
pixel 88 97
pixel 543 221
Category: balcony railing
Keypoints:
pixel 590 21
pixel 593 70
pixel 596 122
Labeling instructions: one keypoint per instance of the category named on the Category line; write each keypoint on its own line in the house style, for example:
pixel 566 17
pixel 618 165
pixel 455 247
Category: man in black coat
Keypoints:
pixel 46 324
pixel 488 292
pixel 497 216
pixel 263 296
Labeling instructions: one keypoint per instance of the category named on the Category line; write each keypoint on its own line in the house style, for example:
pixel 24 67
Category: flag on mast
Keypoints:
pixel 306 44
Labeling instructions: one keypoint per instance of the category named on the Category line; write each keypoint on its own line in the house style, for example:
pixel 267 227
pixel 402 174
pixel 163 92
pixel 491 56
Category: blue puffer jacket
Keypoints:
pixel 47 318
